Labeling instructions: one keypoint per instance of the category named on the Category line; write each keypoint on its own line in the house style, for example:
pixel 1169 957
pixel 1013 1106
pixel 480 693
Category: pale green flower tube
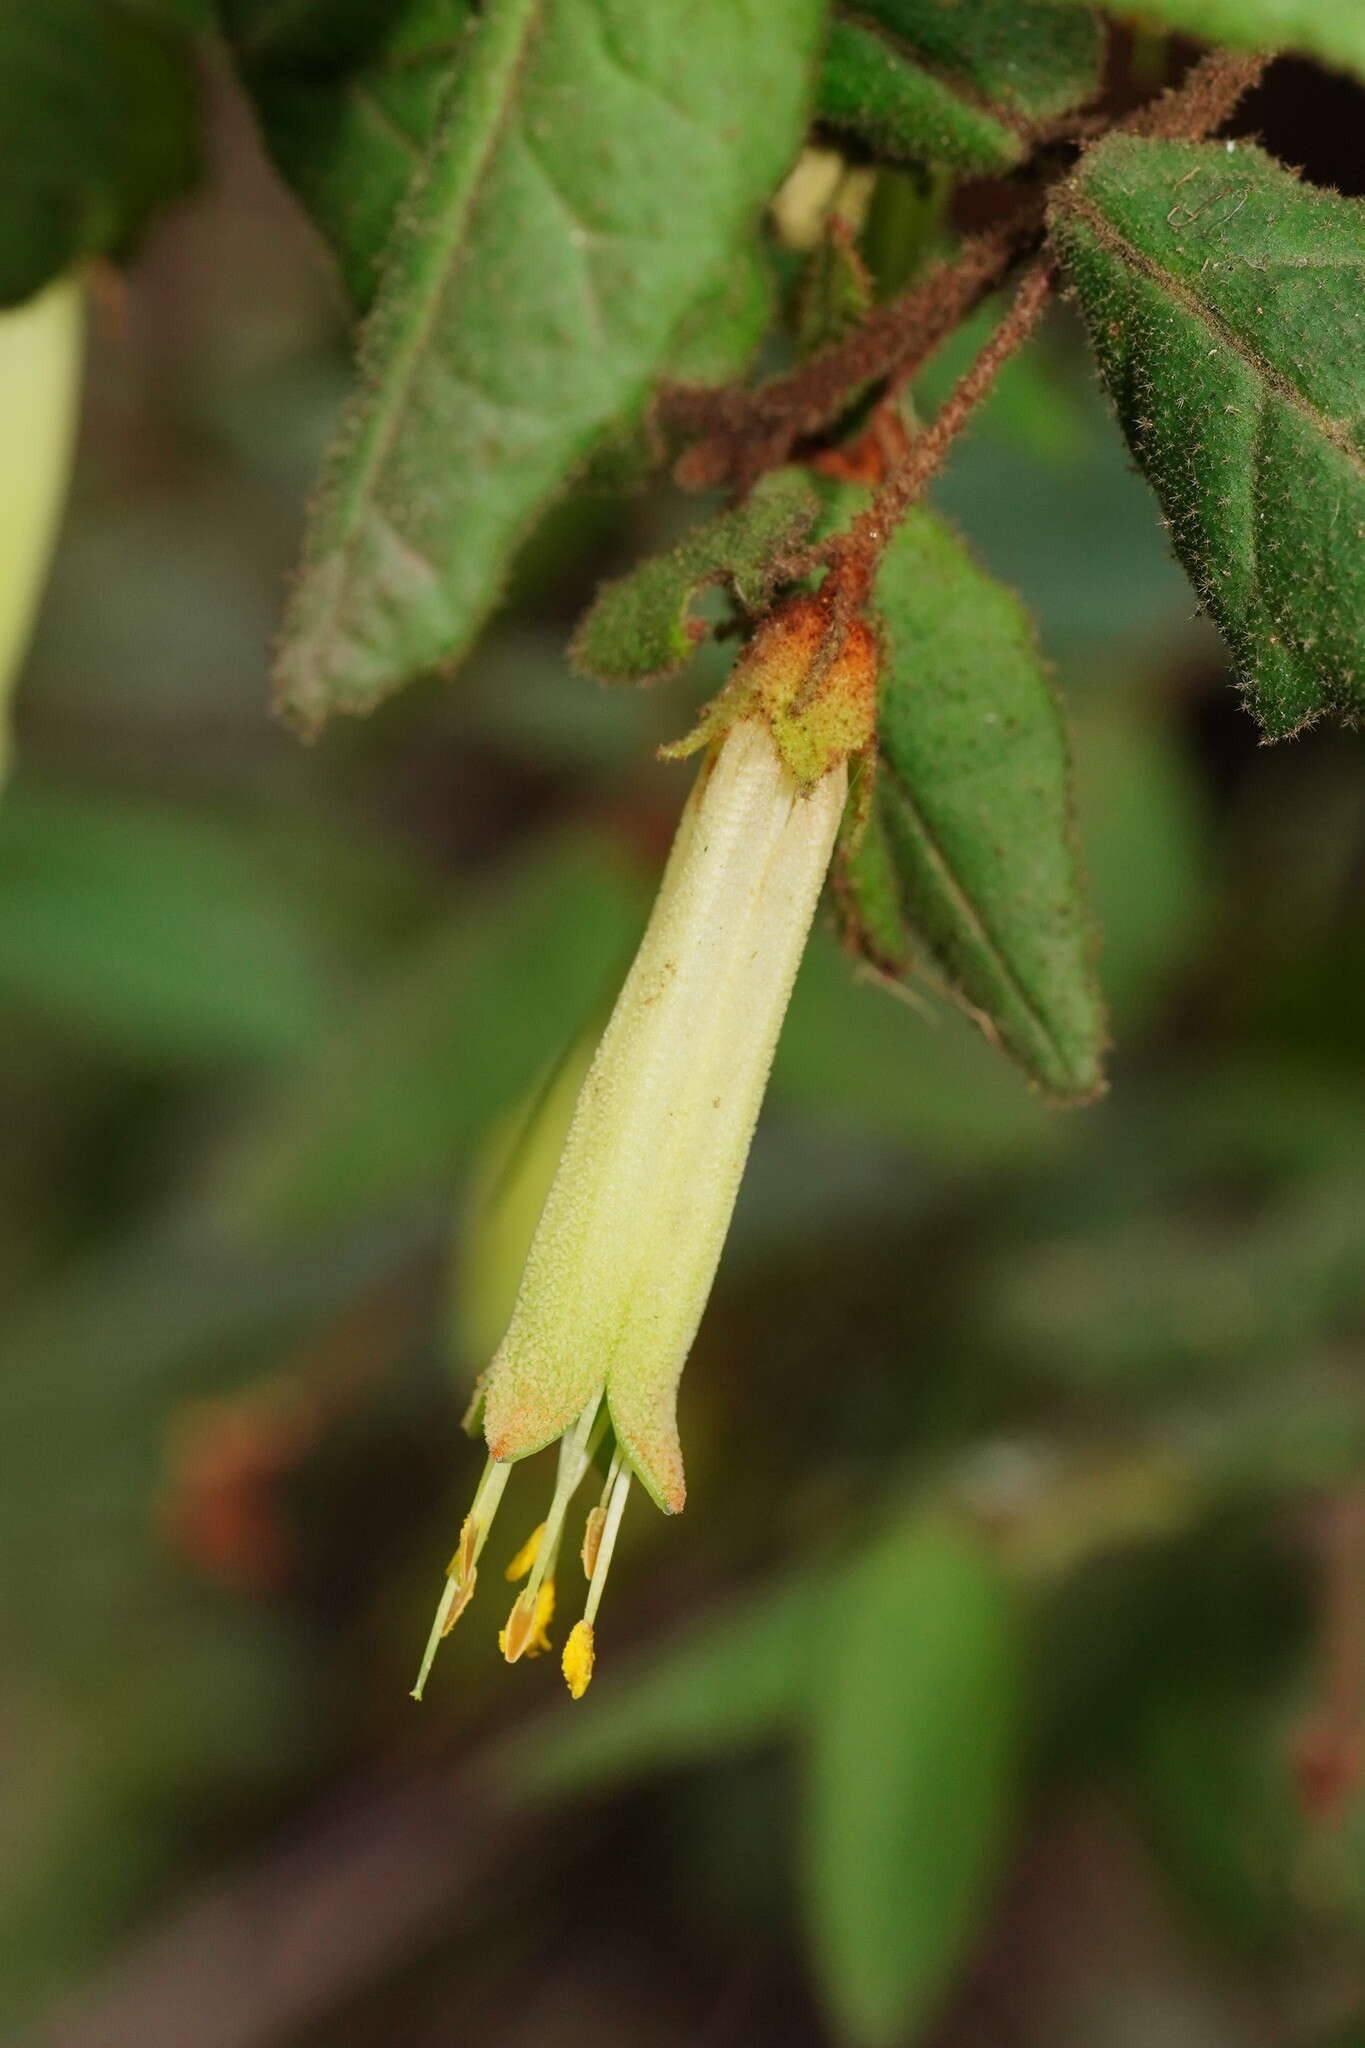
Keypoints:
pixel 40 359
pixel 628 1243
pixel 626 1248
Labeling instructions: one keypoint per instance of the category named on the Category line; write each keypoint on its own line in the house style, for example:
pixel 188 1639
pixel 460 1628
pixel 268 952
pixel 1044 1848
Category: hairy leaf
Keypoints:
pixel 1331 30
pixel 969 857
pixel 595 161
pixel 965 85
pixel 1224 301
pixel 912 1759
pixel 349 107
pixel 97 129
pixel 640 627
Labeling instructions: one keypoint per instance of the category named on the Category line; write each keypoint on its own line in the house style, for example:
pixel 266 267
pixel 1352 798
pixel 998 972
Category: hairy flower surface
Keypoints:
pixel 623 1258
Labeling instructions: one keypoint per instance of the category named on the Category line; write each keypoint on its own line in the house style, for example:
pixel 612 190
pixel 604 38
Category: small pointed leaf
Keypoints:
pixel 595 161
pixel 1224 299
pixel 640 627
pixel 969 862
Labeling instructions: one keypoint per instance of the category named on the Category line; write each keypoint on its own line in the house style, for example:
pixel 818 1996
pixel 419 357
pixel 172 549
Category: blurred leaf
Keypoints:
pixel 97 129
pixel 918 1075
pixel 508 1182
pixel 384 1111
pixel 1331 30
pixel 835 292
pixel 349 107
pixel 40 370
pixel 1084 503
pixel 916 1697
pixel 1141 847
pixel 720 1683
pixel 1222 296
pixel 640 628
pixel 529 296
pixel 159 1314
pixel 876 91
pixel 162 933
pixel 1160 1296
pixel 961 85
pixel 970 848
pixel 1218 1789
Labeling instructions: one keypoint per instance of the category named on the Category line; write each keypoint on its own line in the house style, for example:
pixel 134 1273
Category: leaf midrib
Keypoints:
pixel 1014 123
pixel 975 922
pixel 1118 245
pixel 519 21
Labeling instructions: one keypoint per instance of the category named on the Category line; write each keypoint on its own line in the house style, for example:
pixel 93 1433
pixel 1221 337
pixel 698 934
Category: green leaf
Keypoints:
pixel 969 854
pixel 1223 299
pixel 641 627
pixel 715 344
pixel 97 129
pixel 595 162
pixel 1145 861
pixel 383 1112
pixel 158 934
pixel 910 1775
pixel 967 85
pixel 349 108
pixel 887 1074
pixel 1333 31
pixel 835 291
pixel 723 1683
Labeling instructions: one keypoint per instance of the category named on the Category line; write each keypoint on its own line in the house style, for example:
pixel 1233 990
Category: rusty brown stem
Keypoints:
pixel 923 457
pixel 746 431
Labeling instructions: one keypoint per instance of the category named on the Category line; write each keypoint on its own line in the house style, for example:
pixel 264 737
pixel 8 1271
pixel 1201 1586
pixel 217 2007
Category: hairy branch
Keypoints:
pixel 747 431
pixel 1201 102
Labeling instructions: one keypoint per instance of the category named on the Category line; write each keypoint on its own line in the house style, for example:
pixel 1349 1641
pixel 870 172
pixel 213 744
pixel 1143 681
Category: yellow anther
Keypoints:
pixel 592 1539
pixel 526 1556
pixel 461 1566
pixel 526 1633
pixel 577 1660
pixel 463 1595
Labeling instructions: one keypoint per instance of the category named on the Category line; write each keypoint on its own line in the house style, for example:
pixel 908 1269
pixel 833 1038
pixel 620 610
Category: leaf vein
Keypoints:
pixel 413 356
pixel 970 914
pixel 1272 379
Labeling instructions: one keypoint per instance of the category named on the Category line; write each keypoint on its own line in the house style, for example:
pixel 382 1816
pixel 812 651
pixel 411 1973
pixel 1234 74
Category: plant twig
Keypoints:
pixel 1201 102
pixel 871 530
pixel 747 431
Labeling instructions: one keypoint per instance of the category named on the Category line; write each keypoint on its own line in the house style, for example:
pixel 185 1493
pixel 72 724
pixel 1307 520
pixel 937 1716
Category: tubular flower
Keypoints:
pixel 623 1258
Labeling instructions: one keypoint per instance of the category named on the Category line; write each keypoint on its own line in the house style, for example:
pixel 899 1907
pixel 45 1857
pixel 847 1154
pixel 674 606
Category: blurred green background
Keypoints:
pixel 1007 1672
